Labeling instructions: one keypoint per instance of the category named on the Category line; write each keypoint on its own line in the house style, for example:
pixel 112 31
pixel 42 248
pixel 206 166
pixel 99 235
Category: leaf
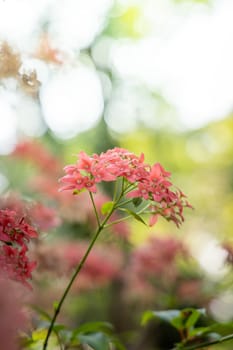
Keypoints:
pixel 167 316
pixel 92 327
pixel 55 305
pixel 135 215
pixel 39 334
pixel 222 328
pixel 107 207
pixel 118 345
pixel 199 331
pixel 98 341
pixel 146 317
pixel 137 201
pixel 194 316
pixel 41 312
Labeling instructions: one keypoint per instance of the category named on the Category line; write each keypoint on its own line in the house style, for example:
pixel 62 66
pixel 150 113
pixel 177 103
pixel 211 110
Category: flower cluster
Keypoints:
pixel 154 270
pixel 15 235
pixel 42 217
pixel 58 259
pixel 150 183
pixel 37 154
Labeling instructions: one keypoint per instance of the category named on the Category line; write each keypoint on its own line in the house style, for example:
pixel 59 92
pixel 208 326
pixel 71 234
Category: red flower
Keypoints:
pixel 14 237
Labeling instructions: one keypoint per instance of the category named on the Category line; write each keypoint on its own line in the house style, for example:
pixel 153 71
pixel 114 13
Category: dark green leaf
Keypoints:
pixel 137 201
pixel 118 345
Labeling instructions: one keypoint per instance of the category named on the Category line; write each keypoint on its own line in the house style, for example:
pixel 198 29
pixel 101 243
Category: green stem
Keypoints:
pixel 116 190
pixel 207 343
pixel 101 226
pixel 78 269
pixel 94 206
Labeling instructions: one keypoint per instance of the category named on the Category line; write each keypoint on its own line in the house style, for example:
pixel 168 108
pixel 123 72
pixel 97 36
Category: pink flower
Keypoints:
pixel 150 183
pixel 107 166
pixel 102 265
pixel 35 152
pixel 15 263
pixel 14 237
pixel 34 213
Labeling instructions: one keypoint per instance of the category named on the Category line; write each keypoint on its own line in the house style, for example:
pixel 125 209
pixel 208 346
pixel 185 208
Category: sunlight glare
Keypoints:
pixel 72 101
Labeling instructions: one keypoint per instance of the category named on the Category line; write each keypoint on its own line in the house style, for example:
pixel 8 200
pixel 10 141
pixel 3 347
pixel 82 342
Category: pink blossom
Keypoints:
pixel 152 267
pixel 14 237
pixel 36 153
pixel 102 265
pixel 35 213
pixel 150 183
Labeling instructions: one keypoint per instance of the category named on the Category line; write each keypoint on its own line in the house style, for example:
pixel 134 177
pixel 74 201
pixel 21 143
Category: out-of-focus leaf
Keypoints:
pixel 39 334
pixel 55 305
pixel 199 331
pixel 171 316
pixel 194 316
pixel 179 319
pixel 107 207
pixel 98 341
pixel 222 328
pixel 41 312
pixel 91 327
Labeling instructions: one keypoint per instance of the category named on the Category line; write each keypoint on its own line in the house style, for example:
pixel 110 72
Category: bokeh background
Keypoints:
pixel 152 76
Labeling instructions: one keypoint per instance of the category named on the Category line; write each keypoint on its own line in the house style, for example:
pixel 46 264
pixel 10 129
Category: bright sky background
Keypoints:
pixel 187 55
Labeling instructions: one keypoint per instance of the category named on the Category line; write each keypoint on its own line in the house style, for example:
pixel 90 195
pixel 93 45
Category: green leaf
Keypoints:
pixel 199 331
pixel 135 215
pixel 194 316
pixel 222 328
pixel 107 207
pixel 118 345
pixel 147 316
pixel 98 341
pixel 173 317
pixel 166 315
pixel 41 312
pixel 92 327
pixel 137 201
pixel 55 305
pixel 39 334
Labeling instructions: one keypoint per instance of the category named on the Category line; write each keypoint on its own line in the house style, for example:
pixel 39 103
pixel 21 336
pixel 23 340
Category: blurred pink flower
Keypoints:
pixel 152 266
pixel 36 153
pixel 12 319
pixel 102 265
pixel 35 213
pixel 15 235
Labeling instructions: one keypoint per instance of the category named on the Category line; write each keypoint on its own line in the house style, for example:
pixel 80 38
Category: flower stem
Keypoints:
pixel 95 210
pixel 79 267
pixel 101 226
pixel 207 343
